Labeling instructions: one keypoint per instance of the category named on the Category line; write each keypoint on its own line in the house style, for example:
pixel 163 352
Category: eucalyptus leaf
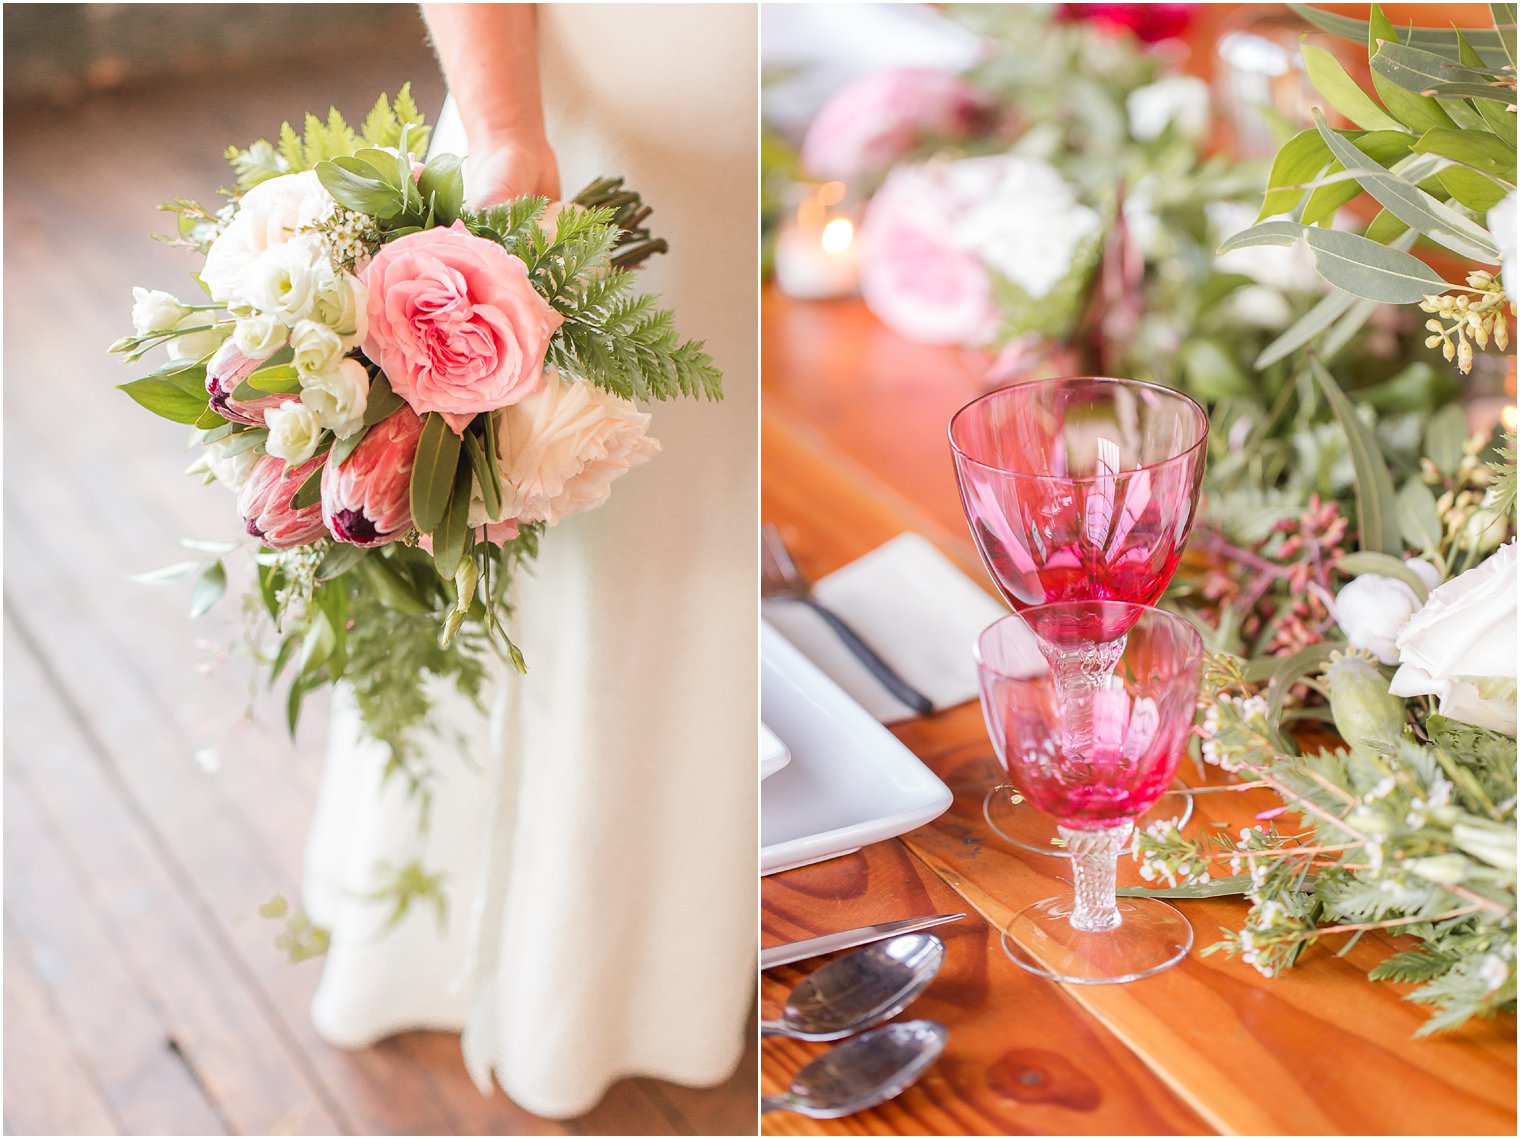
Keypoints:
pixel 310 491
pixel 246 440
pixel 1484 152
pixel 1436 221
pixel 453 532
pixel 433 472
pixel 1504 27
pixel 339 560
pixel 1385 227
pixel 1264 233
pixel 1497 119
pixel 1377 526
pixel 343 448
pixel 1419 520
pixel 1325 312
pixel 1351 262
pixel 392 587
pixel 318 643
pixel 1445 436
pixel 1486 92
pixel 1342 92
pixel 1485 41
pixel 1348 326
pixel 1286 674
pixel 1383 148
pixel 1299 160
pixel 1476 191
pixel 487 475
pixel 1384 565
pixel 209 588
pixel 1418 112
pixel 382 401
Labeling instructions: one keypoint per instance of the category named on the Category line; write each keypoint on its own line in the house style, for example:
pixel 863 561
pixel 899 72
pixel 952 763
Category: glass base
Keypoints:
pixel 1014 821
pixel 1152 936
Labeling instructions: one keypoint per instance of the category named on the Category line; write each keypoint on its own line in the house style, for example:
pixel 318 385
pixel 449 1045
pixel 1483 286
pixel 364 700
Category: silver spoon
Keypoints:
pixel 860 989
pixel 863 1072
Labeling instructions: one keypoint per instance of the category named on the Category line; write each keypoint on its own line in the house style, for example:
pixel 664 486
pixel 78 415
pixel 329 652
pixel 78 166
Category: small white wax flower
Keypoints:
pixel 293 432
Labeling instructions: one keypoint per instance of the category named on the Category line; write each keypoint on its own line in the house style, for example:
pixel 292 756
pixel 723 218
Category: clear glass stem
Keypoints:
pixel 1094 864
pixel 1077 673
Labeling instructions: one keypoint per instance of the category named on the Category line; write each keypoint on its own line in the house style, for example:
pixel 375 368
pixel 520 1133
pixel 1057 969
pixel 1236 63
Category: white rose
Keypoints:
pixel 1022 219
pixel 562 447
pixel 1180 99
pixel 270 214
pixel 259 336
pixel 283 280
pixel 228 468
pixel 293 432
pixel 337 396
pixel 342 305
pixel 1501 223
pixel 317 348
pixel 1460 646
pixel 155 311
pixel 1372 609
pixel 195 345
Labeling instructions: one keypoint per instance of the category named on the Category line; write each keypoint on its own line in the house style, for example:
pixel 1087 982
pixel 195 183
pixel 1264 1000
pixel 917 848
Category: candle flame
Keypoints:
pixel 1508 417
pixel 838 235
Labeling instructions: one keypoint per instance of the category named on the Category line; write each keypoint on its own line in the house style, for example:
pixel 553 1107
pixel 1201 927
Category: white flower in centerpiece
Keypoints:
pixel 1179 99
pixel 259 336
pixel 270 214
pixel 228 467
pixel 1372 609
pixel 154 310
pixel 1023 219
pixel 196 345
pixel 1501 223
pixel 293 432
pixel 284 279
pixel 316 347
pixel 338 395
pixel 562 447
pixel 1460 646
pixel 342 304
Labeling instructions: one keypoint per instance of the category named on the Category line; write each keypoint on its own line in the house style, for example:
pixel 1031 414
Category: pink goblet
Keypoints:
pixel 1078 489
pixel 1093 759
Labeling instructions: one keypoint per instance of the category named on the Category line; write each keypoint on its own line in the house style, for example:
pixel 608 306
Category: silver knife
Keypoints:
pixel 829 942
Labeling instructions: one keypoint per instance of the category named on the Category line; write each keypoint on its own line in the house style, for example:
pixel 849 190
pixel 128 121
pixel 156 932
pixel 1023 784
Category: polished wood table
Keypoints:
pixel 854 452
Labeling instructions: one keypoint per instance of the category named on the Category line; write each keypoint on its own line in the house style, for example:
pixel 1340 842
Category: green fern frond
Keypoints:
pixel 1502 491
pixel 319 140
pixel 1412 965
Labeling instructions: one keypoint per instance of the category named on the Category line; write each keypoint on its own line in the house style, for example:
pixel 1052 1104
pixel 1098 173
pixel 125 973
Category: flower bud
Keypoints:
pixel 1366 715
pixel 366 499
pixel 1445 869
pixel 226 370
pixel 1373 608
pixel 265 503
pixel 156 311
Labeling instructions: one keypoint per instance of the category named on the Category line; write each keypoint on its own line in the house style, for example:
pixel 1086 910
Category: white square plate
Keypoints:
pixel 850 782
pixel 773 753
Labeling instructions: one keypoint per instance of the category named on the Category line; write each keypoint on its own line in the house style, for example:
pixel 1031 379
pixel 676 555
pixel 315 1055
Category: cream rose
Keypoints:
pixel 270 214
pixel 283 280
pixel 1460 646
pixel 562 447
pixel 317 348
pixel 259 336
pixel 338 395
pixel 293 432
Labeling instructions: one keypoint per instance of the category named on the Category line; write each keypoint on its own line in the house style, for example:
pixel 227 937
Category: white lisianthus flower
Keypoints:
pixel 268 215
pixel 223 464
pixel 1372 609
pixel 337 395
pixel 1460 646
pixel 1024 220
pixel 284 279
pixel 196 345
pixel 259 336
pixel 1179 99
pixel 293 432
pixel 562 447
pixel 1501 223
pixel 317 348
pixel 156 311
pixel 342 304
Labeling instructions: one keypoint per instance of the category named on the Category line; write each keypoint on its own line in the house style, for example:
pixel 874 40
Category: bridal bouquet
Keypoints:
pixel 403 395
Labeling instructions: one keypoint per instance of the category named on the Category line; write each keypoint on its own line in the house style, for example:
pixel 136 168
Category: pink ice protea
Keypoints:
pixel 366 499
pixel 455 323
pixel 224 372
pixel 266 507
pixel 869 124
pixel 914 275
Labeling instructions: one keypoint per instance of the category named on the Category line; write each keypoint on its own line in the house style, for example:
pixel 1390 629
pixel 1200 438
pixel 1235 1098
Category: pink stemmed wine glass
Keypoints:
pixel 1078 489
pixel 1093 782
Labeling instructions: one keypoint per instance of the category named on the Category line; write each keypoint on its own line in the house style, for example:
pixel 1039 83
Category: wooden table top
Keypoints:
pixel 854 452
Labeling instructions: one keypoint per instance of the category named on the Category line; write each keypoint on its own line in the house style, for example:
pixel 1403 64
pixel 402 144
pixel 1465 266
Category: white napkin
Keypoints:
pixel 909 603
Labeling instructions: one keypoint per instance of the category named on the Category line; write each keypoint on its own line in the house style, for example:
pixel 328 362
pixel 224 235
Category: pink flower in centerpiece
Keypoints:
pixel 266 507
pixel 226 369
pixel 870 123
pixel 367 498
pixel 913 274
pixel 455 323
pixel 1150 23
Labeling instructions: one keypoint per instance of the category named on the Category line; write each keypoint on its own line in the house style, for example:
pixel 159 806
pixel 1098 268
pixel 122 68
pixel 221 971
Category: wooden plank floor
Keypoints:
pixel 146 815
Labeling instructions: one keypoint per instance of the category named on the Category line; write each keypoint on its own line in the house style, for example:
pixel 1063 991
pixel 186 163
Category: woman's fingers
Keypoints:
pixel 497 174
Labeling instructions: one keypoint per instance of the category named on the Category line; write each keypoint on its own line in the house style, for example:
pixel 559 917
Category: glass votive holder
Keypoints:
pixel 817 255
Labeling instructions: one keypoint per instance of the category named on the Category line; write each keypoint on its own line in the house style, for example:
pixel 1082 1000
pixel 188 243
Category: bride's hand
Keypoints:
pixel 511 168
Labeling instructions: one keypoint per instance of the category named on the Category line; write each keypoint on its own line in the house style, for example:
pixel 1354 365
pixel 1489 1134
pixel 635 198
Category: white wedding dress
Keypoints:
pixel 599 833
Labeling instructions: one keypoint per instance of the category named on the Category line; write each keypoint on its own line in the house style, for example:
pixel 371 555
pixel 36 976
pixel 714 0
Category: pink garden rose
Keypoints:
pixel 869 124
pixel 265 503
pixel 455 323
pixel 367 498
pixel 914 275
pixel 226 369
